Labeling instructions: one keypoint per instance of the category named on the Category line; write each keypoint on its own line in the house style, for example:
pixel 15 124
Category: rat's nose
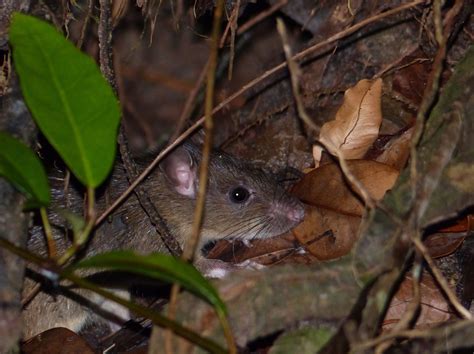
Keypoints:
pixel 292 210
pixel 296 213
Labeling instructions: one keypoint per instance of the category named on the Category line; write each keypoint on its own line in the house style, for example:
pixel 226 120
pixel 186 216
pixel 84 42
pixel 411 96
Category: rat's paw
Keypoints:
pixel 250 265
pixel 217 269
pixel 214 268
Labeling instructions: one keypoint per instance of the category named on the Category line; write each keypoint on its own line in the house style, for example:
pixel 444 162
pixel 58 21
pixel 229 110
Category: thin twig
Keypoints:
pixel 190 247
pixel 146 172
pixel 396 64
pixel 145 201
pixel 261 16
pixel 176 13
pixel 172 309
pixel 226 32
pixel 189 104
pixel 90 6
pixel 233 30
pixel 191 244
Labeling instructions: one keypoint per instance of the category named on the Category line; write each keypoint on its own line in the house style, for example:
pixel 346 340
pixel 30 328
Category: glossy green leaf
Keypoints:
pixel 71 102
pixel 21 166
pixel 158 266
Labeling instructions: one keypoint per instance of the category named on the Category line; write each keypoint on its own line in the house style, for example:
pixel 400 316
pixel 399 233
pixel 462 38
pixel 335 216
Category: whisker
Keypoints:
pixel 240 223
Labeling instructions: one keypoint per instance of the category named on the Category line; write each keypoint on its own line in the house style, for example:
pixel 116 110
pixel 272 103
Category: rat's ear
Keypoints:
pixel 179 168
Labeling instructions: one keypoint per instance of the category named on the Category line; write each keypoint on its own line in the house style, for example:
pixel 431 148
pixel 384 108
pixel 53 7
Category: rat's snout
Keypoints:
pixel 293 211
pixel 296 213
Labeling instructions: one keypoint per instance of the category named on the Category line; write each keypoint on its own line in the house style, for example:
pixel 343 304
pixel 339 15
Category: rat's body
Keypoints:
pixel 242 202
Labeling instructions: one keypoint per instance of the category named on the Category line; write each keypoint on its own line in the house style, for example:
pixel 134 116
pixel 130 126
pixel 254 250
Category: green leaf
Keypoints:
pixel 71 102
pixel 22 168
pixel 76 222
pixel 158 266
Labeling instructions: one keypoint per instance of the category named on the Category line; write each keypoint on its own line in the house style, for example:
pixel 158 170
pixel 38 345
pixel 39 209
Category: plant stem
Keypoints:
pixel 48 233
pixel 82 238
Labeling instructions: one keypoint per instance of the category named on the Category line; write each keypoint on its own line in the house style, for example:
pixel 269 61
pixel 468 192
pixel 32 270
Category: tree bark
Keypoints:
pixel 15 119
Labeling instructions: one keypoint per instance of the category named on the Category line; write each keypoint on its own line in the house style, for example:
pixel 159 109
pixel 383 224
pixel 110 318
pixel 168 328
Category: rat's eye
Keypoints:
pixel 239 195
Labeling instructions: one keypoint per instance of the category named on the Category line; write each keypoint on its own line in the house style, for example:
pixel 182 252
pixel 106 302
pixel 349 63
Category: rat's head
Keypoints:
pixel 242 201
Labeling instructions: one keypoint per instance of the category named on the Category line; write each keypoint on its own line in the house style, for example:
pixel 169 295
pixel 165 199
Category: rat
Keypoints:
pixel 242 203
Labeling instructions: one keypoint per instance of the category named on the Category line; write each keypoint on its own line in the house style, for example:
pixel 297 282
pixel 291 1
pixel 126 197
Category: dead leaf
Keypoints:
pixel 409 82
pixel 397 151
pixel 333 215
pixel 357 122
pixel 448 237
pixel 434 307
pixel 57 341
pixel 464 224
pixel 442 245
pixel 327 234
pixel 327 187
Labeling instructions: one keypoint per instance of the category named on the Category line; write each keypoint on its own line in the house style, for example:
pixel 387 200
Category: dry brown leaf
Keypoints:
pixel 357 122
pixel 327 234
pixel 449 237
pixel 409 82
pixel 464 224
pixel 397 151
pixel 442 245
pixel 330 227
pixel 326 186
pixel 57 341
pixel 434 307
